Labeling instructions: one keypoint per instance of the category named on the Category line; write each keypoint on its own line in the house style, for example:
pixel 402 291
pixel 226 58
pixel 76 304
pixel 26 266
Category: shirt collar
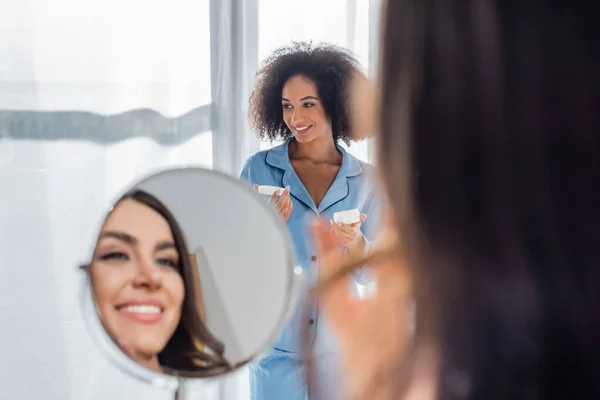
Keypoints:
pixel 278 157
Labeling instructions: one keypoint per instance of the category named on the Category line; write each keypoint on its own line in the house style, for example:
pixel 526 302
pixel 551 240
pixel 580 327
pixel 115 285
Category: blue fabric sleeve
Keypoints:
pixel 245 173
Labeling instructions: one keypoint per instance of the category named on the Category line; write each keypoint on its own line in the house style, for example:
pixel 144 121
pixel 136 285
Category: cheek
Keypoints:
pixel 106 287
pixel 287 116
pixel 175 289
pixel 319 116
pixel 106 283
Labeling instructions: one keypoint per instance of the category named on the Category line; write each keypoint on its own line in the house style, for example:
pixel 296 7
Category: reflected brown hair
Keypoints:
pixel 185 351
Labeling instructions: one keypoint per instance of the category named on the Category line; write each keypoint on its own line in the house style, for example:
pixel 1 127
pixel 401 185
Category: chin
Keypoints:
pixel 150 347
pixel 304 138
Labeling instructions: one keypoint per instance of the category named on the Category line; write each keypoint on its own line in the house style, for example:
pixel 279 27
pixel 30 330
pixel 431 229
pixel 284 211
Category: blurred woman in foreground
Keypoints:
pixel 489 148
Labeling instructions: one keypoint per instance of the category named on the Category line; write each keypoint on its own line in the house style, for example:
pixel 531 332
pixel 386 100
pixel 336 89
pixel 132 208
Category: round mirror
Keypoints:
pixel 191 275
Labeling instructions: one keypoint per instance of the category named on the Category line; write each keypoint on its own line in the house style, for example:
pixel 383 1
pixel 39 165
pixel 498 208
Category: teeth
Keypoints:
pixel 303 128
pixel 142 309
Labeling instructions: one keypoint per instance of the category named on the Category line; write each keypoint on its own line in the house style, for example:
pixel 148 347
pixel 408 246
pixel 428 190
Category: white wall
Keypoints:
pixel 77 54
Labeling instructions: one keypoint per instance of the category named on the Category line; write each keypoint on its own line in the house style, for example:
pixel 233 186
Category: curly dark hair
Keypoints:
pixel 328 66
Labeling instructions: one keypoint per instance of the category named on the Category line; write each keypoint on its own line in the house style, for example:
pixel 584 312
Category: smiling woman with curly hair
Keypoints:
pixel 302 96
pixel 328 67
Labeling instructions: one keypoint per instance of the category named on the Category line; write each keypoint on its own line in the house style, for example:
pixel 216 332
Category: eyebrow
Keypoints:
pixel 127 238
pixel 124 237
pixel 302 99
pixel 165 245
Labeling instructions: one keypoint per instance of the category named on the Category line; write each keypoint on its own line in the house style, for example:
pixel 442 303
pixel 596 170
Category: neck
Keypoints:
pixel 318 150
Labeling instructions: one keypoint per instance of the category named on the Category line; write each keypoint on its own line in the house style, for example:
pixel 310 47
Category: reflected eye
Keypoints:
pixel 114 256
pixel 166 262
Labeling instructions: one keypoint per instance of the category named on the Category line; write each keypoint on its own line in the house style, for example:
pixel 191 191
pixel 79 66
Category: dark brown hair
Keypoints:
pixel 183 351
pixel 490 152
pixel 329 67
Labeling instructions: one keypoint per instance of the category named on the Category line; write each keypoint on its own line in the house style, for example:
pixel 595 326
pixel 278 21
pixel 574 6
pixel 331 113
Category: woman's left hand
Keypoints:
pixel 348 235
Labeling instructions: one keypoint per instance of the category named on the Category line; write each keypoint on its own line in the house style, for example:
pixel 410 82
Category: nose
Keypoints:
pixel 297 117
pixel 147 276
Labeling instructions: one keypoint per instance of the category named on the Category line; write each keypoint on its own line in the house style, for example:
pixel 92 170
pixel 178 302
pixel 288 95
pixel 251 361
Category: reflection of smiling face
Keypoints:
pixel 303 112
pixel 135 281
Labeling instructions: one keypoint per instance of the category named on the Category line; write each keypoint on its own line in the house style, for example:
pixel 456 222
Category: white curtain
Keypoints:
pixel 93 96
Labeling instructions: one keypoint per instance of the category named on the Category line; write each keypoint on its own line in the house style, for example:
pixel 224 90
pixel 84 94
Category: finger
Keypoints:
pixel 273 198
pixel 345 240
pixel 337 236
pixel 334 226
pixel 345 234
pixel 281 208
pixel 356 225
pixel 342 238
pixel 286 214
pixel 350 229
pixel 283 203
pixel 283 194
pixel 255 186
pixel 348 236
pixel 337 230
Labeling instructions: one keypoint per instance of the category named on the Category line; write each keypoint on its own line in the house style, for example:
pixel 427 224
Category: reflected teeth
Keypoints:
pixel 145 309
pixel 303 128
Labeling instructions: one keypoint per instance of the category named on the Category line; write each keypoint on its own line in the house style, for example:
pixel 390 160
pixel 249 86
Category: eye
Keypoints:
pixel 114 256
pixel 167 262
pixel 308 105
pixel 288 106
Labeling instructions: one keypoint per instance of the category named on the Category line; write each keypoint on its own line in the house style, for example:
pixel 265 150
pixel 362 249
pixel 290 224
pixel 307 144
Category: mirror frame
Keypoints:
pixel 174 380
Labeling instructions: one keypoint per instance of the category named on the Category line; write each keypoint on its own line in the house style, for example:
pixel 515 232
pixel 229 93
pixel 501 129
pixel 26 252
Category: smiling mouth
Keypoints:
pixel 302 129
pixel 144 313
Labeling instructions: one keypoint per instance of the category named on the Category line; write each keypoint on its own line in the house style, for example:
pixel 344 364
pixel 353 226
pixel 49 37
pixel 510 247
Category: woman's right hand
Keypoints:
pixel 284 206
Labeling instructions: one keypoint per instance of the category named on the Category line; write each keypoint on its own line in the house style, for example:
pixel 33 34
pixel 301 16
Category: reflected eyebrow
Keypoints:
pixel 127 238
pixel 122 236
pixel 165 245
